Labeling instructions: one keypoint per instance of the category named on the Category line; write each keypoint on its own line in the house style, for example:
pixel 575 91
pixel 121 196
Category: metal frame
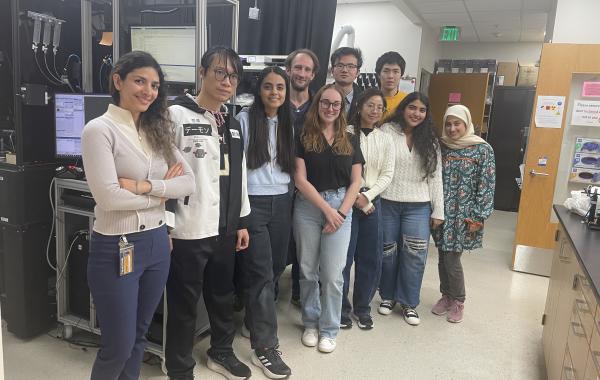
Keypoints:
pixel 87 77
pixel 62 295
pixel 201 44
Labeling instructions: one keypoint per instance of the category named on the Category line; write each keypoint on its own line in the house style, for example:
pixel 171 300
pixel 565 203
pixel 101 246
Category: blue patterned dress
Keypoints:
pixel 469 176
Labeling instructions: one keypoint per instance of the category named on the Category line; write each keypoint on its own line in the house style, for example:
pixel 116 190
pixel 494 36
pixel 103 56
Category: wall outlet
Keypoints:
pixel 254 13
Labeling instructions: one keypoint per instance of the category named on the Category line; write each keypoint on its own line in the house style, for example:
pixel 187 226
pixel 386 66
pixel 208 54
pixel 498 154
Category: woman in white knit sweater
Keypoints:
pixel 366 238
pixel 412 204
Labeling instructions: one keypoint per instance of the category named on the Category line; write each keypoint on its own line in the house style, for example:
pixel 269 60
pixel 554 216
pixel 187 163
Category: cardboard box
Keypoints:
pixel 507 73
pixel 527 76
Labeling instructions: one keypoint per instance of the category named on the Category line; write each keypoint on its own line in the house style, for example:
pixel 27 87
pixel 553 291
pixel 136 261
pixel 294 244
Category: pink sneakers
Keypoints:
pixel 442 306
pixel 455 312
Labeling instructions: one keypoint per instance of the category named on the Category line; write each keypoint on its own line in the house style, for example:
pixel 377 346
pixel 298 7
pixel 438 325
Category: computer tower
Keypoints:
pixel 79 292
pixel 24 194
pixel 29 305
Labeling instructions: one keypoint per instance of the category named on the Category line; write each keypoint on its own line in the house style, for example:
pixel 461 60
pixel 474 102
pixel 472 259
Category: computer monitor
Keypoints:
pixel 71 113
pixel 173 47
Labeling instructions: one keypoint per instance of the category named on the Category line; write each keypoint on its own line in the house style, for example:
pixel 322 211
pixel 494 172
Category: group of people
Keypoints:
pixel 191 197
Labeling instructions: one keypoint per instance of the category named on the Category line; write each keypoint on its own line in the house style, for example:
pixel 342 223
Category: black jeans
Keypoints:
pixel 264 262
pixel 199 267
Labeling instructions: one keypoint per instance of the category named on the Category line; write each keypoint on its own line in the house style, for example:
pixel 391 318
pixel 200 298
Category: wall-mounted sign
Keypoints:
pixel 549 111
pixel 591 90
pixel 586 113
pixel 454 97
pixel 449 33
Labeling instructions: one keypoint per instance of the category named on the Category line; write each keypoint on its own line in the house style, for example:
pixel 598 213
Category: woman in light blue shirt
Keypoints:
pixel 268 135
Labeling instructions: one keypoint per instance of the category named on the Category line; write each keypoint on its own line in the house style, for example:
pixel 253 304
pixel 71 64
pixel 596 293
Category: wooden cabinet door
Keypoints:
pixel 564 304
pixel 551 308
pixel 535 230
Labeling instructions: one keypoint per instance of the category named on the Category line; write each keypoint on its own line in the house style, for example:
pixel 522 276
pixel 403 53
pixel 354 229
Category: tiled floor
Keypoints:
pixel 500 337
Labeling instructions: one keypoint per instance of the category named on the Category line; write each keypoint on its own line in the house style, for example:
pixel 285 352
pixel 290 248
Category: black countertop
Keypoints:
pixel 586 243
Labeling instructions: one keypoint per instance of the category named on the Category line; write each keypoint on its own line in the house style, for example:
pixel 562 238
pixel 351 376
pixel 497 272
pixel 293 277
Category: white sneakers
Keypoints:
pixel 310 337
pixel 326 345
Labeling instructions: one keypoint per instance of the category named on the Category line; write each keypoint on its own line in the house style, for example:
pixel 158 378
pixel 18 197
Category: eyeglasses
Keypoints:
pixel 348 66
pixel 375 107
pixel 220 75
pixel 325 104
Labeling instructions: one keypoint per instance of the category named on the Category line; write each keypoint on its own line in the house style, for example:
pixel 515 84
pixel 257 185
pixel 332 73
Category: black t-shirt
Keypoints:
pixel 327 170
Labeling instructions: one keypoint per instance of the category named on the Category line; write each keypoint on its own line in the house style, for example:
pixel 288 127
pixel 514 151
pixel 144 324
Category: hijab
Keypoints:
pixel 469 138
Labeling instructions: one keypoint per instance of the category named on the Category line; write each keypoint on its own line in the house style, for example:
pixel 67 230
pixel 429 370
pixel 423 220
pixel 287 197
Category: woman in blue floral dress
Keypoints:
pixel 469 177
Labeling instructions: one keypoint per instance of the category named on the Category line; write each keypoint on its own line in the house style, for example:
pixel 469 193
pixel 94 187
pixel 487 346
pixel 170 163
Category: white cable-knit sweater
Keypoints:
pixel 408 184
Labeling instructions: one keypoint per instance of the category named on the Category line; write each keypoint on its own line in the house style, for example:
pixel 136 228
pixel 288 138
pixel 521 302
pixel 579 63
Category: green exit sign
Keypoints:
pixel 449 33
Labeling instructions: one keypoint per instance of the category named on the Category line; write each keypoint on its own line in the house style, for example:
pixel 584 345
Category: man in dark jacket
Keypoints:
pixel 345 67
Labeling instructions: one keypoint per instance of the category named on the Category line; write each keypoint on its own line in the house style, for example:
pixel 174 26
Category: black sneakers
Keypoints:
pixel 228 365
pixel 269 360
pixel 364 322
pixel 345 322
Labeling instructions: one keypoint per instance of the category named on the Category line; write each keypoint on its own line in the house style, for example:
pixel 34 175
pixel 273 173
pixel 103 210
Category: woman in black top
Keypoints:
pixel 328 177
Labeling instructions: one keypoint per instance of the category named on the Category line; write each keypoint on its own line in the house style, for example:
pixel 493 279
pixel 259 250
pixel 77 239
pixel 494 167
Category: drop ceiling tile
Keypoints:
pixel 496 17
pixel 535 20
pixel 448 6
pixel 541 5
pixel 493 5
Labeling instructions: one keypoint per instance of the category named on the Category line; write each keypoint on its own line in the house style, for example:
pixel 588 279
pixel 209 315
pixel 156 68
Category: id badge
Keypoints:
pixel 125 256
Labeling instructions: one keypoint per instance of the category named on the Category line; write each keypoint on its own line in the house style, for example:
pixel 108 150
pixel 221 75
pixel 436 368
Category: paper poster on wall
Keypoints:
pixel 454 97
pixel 586 113
pixel 586 161
pixel 407 85
pixel 549 111
pixel 591 90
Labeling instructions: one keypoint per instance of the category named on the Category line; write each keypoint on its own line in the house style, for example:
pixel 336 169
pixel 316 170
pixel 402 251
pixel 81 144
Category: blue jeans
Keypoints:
pixel 322 258
pixel 125 304
pixel 405 245
pixel 365 251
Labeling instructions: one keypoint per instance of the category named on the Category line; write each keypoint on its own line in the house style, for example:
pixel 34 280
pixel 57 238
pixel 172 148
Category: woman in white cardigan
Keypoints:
pixel 412 204
pixel 366 239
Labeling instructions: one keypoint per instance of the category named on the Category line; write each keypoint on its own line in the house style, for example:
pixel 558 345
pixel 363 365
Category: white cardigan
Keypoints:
pixel 408 184
pixel 379 157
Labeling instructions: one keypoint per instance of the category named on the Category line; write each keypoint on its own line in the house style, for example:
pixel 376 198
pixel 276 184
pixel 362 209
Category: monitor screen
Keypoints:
pixel 173 47
pixel 71 113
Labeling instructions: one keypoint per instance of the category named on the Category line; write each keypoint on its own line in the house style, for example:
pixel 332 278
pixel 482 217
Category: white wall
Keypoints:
pixel 380 27
pixel 524 52
pixel 577 22
pixel 431 50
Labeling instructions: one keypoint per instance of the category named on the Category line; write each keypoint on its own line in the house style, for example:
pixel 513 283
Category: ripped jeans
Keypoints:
pixel 405 245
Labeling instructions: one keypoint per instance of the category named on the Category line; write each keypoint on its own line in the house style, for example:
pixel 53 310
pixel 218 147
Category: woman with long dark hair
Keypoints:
pixel 412 205
pixel 328 176
pixel 366 239
pixel 269 145
pixel 131 167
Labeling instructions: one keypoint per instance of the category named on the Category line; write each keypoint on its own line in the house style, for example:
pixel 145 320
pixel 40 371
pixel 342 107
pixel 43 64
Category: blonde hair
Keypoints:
pixel 312 135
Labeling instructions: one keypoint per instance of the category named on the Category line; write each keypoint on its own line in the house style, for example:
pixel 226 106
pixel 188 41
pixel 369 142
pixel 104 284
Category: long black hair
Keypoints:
pixel 155 121
pixel 367 94
pixel 425 141
pixel 258 131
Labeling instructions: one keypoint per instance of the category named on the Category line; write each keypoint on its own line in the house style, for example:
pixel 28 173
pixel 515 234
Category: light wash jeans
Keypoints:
pixel 405 245
pixel 322 258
